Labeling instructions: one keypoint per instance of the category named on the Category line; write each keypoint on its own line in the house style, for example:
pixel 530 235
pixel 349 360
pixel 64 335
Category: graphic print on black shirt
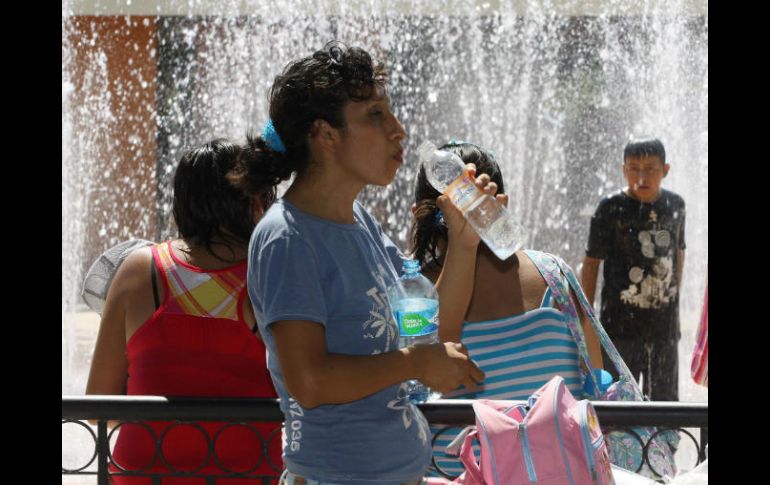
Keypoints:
pixel 639 243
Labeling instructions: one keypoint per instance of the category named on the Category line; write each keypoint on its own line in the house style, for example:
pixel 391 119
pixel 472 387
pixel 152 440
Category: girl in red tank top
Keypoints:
pixel 197 339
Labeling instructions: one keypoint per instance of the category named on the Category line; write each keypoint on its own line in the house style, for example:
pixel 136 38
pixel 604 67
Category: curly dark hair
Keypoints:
pixel 312 88
pixel 427 228
pixel 207 207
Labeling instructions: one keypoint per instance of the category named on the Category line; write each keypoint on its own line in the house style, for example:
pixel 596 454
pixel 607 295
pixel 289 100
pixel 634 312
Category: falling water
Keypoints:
pixel 553 88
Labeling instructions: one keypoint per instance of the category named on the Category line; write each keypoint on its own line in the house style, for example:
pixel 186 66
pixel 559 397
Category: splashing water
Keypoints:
pixel 554 96
pixel 553 89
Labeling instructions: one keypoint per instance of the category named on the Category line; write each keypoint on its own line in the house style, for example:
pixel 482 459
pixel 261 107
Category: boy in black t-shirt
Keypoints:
pixel 639 234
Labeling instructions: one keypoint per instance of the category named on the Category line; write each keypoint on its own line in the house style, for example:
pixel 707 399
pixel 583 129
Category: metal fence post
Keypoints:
pixel 102 448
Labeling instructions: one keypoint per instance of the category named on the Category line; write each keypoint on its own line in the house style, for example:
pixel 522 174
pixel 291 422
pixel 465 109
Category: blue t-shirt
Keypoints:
pixel 302 267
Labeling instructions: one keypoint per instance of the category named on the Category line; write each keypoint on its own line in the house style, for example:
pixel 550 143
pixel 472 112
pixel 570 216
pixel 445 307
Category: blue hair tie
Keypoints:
pixel 272 138
pixel 439 219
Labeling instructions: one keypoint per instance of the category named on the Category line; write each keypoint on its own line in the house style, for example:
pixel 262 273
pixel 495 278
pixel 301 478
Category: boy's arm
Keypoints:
pixel 680 250
pixel 600 241
pixel 588 275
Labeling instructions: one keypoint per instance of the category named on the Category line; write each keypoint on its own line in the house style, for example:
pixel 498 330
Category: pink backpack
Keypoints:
pixel 557 441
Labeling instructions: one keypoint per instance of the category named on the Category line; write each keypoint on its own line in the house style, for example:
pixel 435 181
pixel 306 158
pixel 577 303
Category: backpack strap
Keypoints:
pixel 472 473
pixel 550 270
pixel 604 339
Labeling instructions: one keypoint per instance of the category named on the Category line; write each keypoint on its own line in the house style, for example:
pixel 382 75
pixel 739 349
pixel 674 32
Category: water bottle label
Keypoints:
pixel 463 191
pixel 414 322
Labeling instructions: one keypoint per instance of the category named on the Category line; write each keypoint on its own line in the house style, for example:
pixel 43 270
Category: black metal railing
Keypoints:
pixel 76 410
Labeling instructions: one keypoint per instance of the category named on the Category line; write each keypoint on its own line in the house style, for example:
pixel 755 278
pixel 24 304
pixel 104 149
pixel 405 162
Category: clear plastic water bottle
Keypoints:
pixel 414 301
pixel 492 221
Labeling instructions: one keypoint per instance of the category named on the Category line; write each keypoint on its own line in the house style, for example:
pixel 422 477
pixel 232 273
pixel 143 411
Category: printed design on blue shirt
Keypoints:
pixel 293 426
pixel 380 322
pixel 409 413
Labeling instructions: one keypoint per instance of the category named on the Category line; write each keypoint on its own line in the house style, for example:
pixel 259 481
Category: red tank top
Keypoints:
pixel 197 344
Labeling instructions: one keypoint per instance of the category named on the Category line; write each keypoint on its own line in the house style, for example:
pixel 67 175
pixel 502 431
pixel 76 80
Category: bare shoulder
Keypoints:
pixel 532 283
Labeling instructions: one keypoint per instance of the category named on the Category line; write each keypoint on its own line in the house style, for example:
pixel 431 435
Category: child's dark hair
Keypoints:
pixel 645 147
pixel 312 88
pixel 207 207
pixel 428 228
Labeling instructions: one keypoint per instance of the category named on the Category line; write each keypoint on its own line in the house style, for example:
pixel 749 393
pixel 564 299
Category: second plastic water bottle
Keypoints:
pixel 415 307
pixel 492 221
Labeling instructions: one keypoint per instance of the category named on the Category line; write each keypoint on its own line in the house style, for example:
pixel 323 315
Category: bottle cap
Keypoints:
pixel 411 266
pixel 603 379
